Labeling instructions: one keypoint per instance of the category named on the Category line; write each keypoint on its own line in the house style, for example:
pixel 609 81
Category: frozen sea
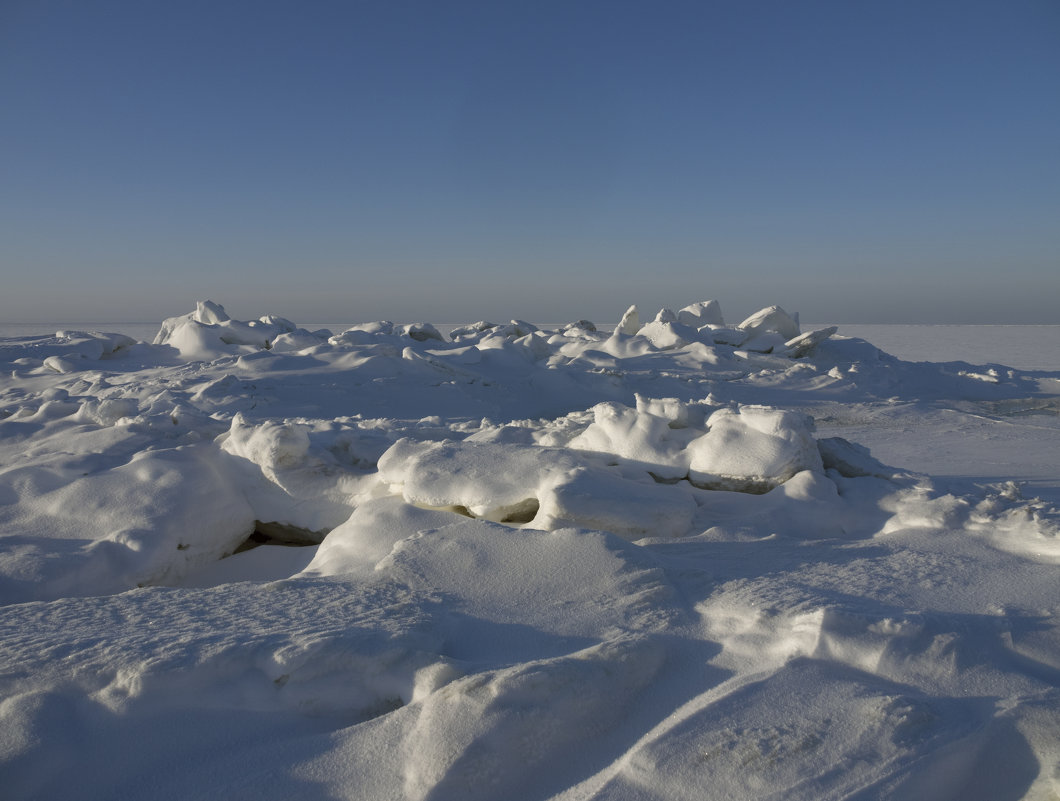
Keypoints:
pixel 681 560
pixel 1026 347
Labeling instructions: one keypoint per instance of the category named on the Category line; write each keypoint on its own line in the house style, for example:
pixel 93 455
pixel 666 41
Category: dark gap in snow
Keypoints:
pixel 458 509
pixel 746 485
pixel 661 480
pixel 516 515
pixel 273 533
pixel 522 512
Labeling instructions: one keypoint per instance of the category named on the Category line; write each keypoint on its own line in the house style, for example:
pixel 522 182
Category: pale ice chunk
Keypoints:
pixel 108 411
pixel 667 335
pixel 639 436
pixel 516 329
pixel 630 322
pixel 677 413
pixel 255 334
pixel 193 333
pixel 210 313
pixel 148 521
pixel 363 334
pixel 537 345
pixel 805 344
pixel 601 500
pixel 488 481
pixel 370 533
pixel 61 364
pixel 300 339
pixel 622 347
pixel 753 449
pixel 544 487
pixel 384 327
pixel 65 352
pixel 273 446
pixel 581 326
pixel 287 480
pixel 282 324
pixel 771 318
pixel 697 315
pixel 520 328
pixel 748 449
pixel 421 332
pixel 194 340
pixel 208 333
pixel 94 344
pixel 473 331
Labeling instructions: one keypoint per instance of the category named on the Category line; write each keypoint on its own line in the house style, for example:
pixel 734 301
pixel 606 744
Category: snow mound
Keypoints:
pixel 208 333
pixel 752 449
pixel 704 313
pixel 748 448
pixel 771 319
pixel 546 488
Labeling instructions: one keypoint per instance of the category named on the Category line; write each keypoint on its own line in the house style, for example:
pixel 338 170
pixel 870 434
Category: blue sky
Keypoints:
pixel 868 161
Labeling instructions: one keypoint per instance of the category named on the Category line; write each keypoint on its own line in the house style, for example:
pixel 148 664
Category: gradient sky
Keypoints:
pixel 883 161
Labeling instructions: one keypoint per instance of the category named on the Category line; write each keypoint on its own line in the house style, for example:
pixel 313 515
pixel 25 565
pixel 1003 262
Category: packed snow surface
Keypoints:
pixel 681 560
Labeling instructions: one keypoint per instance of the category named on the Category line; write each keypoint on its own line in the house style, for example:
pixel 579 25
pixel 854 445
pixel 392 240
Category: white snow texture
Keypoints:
pixel 253 561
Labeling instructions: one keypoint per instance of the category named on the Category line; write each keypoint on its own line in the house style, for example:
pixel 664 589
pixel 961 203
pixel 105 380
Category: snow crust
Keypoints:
pixel 654 562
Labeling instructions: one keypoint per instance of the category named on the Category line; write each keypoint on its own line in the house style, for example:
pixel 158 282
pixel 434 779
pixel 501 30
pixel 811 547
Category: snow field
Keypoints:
pixel 534 564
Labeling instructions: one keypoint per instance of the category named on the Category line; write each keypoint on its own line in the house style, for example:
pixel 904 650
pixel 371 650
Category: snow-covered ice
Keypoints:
pixel 673 559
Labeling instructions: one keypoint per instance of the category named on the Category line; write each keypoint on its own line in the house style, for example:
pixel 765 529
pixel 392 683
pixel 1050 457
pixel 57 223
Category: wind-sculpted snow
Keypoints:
pixel 653 562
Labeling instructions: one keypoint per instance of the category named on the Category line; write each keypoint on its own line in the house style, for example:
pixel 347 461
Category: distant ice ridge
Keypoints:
pixel 279 429
pixel 282 433
pixel 209 332
pixel 535 563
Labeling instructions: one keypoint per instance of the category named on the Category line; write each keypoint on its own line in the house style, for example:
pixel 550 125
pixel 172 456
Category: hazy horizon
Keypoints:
pixel 874 163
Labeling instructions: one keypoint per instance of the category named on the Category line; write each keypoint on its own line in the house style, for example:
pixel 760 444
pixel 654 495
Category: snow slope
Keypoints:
pixel 250 560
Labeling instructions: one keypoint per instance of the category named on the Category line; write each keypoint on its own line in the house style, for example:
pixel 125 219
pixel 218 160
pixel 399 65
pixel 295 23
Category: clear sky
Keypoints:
pixel 856 161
